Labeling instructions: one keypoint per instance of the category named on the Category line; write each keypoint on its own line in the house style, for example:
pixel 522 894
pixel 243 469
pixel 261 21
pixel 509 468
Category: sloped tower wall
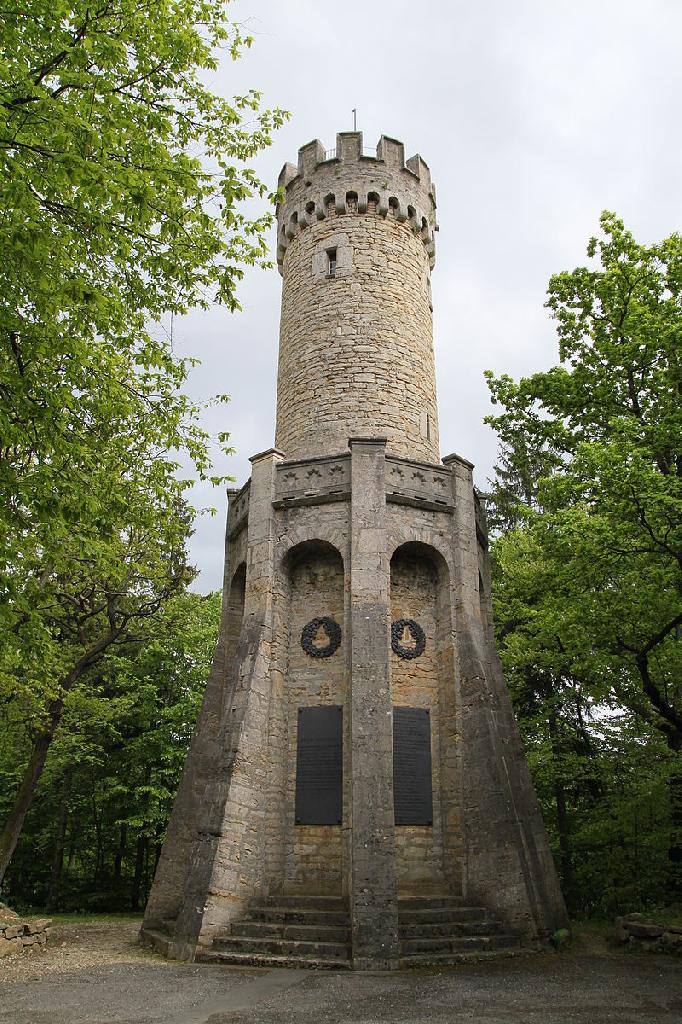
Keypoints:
pixel 356 587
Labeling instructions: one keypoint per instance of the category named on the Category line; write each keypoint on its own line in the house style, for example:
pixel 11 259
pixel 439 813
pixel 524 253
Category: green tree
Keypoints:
pixel 103 802
pixel 593 569
pixel 600 769
pixel 121 179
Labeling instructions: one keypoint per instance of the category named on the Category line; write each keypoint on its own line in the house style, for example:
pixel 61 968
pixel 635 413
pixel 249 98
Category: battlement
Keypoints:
pixel 350 179
pixel 349 148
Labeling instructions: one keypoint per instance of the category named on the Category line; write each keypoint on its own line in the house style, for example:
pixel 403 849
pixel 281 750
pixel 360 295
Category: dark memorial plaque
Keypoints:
pixel 319 766
pixel 412 793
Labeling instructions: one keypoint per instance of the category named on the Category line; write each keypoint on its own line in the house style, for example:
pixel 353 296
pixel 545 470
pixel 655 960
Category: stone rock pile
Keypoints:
pixel 17 935
pixel 642 933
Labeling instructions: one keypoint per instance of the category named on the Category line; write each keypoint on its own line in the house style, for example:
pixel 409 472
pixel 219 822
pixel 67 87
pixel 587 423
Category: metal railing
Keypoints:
pixel 331 154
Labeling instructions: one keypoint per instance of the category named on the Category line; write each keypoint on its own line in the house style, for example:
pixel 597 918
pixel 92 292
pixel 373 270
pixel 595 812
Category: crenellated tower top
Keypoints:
pixel 352 179
pixel 355 250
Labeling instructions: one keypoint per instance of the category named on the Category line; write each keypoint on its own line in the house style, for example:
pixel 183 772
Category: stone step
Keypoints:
pixel 289 915
pixel 415 960
pixel 452 929
pixel 336 903
pixel 236 958
pixel 459 944
pixel 443 915
pixel 429 902
pixel 282 947
pixel 283 930
pixel 160 941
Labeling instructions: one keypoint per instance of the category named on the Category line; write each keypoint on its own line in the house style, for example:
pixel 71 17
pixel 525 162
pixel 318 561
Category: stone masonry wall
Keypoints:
pixel 434 530
pixel 356 350
pixel 167 896
pixel 313 855
pixel 508 861
pixel 305 586
pixel 415 683
pixel 356 353
pixel 17 936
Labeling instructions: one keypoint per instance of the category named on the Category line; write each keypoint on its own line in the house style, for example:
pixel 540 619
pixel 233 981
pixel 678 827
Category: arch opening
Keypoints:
pixel 312 672
pixel 235 605
pixel 420 680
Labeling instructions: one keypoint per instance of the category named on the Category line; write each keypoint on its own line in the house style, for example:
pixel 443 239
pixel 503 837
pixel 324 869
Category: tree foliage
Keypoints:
pixel 121 182
pixel 92 835
pixel 590 491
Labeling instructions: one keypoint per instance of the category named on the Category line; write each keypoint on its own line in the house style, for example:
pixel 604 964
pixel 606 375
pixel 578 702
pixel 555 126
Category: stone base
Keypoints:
pixel 390 554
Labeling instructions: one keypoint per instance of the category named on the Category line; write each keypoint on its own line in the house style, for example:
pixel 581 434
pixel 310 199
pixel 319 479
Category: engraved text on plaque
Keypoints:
pixel 412 796
pixel 319 770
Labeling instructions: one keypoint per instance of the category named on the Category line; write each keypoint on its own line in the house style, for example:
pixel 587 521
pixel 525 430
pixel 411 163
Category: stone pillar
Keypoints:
pixel 373 899
pixel 167 894
pixel 508 862
pixel 259 571
pixel 228 861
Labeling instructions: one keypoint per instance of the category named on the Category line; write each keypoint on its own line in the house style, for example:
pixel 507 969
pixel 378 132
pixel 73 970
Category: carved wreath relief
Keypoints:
pixel 316 629
pixel 408 639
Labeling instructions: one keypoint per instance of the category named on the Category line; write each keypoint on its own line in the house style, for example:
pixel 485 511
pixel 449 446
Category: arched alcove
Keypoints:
pixel 483 602
pixel 312 655
pixel 419 641
pixel 314 570
pixel 235 605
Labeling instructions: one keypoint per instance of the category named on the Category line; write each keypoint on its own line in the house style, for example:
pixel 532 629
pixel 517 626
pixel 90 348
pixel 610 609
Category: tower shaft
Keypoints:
pixel 355 249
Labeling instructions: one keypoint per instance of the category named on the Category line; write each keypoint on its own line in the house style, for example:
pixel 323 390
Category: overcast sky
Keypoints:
pixel 533 115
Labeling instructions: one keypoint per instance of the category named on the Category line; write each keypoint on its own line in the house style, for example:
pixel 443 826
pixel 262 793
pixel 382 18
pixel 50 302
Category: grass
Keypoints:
pixel 597 937
pixel 593 938
pixel 666 915
pixel 89 918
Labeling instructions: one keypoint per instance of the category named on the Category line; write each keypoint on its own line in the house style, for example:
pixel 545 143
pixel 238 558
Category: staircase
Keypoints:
pixel 441 930
pixel 287 931
pixel 314 932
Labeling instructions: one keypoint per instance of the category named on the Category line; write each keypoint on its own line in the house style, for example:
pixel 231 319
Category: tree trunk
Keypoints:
pixel 9 836
pixel 675 847
pixel 562 818
pixel 120 853
pixel 24 798
pixel 59 843
pixel 593 783
pixel 669 722
pixel 140 850
pixel 146 870
pixel 99 856
pixel 565 846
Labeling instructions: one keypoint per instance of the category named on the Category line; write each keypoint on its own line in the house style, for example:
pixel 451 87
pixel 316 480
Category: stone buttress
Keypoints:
pixel 356 598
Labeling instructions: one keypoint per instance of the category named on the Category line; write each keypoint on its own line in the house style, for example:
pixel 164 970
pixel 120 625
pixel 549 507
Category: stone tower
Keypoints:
pixel 356 751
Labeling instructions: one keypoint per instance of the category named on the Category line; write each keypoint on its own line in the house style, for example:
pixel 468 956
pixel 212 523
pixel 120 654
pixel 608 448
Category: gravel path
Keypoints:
pixel 97 974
